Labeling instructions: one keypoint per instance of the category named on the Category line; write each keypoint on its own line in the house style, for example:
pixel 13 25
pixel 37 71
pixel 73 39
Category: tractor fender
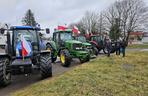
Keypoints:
pixel 4 55
pixel 52 44
pixel 94 43
pixel 59 51
pixel 44 52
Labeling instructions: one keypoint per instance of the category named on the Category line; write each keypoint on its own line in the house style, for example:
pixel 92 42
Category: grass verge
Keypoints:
pixel 114 76
pixel 138 46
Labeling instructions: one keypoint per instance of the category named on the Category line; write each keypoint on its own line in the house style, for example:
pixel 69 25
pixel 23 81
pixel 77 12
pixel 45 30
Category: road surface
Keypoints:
pixel 21 81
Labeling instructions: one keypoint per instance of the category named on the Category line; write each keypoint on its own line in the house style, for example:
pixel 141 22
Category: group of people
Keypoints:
pixel 119 47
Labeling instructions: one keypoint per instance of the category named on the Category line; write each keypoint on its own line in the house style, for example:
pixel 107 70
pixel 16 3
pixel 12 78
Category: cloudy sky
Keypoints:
pixel 49 13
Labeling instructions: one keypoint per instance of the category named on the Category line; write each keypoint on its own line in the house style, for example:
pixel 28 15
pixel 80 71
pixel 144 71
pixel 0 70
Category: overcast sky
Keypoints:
pixel 49 13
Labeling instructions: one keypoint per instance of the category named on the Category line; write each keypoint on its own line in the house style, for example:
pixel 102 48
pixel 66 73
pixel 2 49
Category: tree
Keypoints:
pixel 115 32
pixel 132 16
pixel 89 22
pixel 29 19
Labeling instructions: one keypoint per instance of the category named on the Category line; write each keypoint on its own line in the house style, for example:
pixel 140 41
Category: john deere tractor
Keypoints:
pixel 23 53
pixel 64 46
pixel 86 45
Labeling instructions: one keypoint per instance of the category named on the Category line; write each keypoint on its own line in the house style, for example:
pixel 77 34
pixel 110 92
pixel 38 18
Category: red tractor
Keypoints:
pixel 99 42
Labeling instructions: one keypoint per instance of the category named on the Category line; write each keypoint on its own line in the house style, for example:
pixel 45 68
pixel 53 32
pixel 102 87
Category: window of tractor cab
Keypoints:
pixel 96 38
pixel 81 38
pixel 29 35
pixel 64 36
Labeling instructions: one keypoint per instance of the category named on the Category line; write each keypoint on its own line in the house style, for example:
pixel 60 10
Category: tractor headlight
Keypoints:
pixel 77 47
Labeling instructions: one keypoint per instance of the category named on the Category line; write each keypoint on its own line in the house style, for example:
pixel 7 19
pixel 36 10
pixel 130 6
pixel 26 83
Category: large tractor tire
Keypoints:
pixel 45 66
pixel 87 59
pixel 53 58
pixel 5 75
pixel 95 51
pixel 65 58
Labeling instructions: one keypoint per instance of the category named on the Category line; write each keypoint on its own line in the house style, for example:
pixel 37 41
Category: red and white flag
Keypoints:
pixel 26 48
pixel 75 30
pixel 62 28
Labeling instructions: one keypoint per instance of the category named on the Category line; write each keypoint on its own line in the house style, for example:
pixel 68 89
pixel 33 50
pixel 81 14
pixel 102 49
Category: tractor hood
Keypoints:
pixel 86 44
pixel 73 41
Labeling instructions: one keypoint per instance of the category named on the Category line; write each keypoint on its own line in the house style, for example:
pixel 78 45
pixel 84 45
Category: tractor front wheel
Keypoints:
pixel 45 66
pixel 65 58
pixel 5 75
pixel 95 51
pixel 85 59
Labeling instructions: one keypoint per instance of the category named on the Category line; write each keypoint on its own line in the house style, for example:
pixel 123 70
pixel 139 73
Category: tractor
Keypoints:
pixel 64 46
pixel 99 42
pixel 91 49
pixel 13 62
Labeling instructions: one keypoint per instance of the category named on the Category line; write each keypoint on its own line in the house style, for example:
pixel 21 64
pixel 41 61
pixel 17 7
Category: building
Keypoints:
pixel 136 37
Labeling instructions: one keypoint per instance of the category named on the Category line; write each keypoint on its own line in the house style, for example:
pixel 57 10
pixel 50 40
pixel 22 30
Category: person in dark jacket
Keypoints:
pixel 123 47
pixel 118 46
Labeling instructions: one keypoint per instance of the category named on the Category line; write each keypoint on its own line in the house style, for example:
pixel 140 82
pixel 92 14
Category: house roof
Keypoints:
pixel 136 33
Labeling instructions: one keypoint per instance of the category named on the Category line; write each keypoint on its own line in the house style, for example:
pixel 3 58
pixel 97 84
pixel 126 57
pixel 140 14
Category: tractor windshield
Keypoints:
pixel 66 36
pixel 81 38
pixel 29 35
pixel 96 38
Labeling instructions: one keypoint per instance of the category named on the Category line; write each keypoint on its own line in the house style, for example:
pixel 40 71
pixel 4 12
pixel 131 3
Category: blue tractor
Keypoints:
pixel 22 57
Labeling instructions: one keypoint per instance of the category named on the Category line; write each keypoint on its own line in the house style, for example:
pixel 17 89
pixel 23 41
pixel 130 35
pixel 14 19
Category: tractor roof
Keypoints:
pixel 66 30
pixel 25 27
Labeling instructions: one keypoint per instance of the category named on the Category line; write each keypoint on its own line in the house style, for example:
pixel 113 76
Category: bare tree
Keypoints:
pixel 132 16
pixel 89 22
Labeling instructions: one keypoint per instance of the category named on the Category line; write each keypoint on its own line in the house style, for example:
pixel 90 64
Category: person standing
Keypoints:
pixel 118 46
pixel 123 47
pixel 108 46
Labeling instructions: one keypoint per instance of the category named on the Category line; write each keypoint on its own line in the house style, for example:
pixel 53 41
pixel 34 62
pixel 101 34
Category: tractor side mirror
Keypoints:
pixel 47 30
pixel 2 30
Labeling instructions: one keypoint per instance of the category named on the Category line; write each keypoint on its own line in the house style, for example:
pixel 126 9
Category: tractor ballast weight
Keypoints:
pixel 68 48
pixel 12 62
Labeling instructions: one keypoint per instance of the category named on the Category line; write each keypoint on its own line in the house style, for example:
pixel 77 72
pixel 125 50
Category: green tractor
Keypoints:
pixel 64 46
pixel 23 53
pixel 91 49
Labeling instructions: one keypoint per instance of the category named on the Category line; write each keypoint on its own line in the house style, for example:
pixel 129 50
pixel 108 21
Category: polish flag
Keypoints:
pixel 75 30
pixel 26 48
pixel 62 28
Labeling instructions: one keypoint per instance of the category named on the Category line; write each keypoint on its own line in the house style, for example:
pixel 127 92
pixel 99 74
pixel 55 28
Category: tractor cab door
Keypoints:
pixel 56 39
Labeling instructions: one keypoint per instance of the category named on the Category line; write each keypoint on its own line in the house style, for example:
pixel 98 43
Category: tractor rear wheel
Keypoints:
pixel 5 75
pixel 45 66
pixel 65 58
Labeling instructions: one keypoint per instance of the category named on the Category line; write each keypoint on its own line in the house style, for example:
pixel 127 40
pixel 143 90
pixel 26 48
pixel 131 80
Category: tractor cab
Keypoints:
pixel 30 34
pixel 60 37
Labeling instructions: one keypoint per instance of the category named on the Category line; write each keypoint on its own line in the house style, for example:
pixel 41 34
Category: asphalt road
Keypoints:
pixel 22 81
